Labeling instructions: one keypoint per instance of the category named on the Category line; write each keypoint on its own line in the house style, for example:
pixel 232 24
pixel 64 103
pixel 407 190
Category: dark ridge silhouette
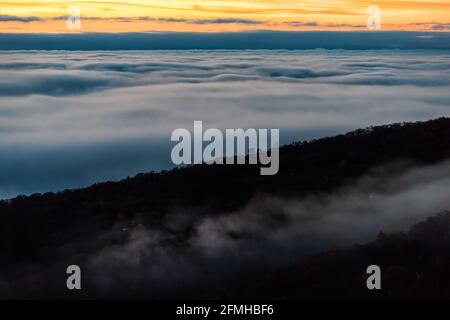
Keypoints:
pixel 41 234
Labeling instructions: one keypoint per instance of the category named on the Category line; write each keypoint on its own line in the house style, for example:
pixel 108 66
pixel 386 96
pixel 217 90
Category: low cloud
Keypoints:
pixel 269 232
pixel 8 18
pixel 60 84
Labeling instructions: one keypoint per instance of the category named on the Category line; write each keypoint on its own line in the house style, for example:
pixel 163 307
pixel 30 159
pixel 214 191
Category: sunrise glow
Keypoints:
pixel 31 16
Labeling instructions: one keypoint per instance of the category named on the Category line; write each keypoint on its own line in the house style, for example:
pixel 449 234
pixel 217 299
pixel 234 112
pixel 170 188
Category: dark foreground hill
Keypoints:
pixel 414 265
pixel 168 234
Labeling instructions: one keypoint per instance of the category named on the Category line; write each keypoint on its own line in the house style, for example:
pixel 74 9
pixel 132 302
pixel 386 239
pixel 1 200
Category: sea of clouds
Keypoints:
pixel 69 119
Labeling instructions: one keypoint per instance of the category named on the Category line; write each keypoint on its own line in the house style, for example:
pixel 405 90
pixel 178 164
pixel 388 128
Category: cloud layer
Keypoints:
pixel 269 232
pixel 68 119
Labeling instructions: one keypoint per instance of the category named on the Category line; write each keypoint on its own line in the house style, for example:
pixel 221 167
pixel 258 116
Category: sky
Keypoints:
pixel 50 16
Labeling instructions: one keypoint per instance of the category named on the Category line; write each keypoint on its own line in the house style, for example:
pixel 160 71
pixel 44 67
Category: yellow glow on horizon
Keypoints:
pixel 194 15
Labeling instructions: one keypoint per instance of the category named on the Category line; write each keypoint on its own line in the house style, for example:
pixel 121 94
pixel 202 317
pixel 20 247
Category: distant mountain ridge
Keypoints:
pixel 245 40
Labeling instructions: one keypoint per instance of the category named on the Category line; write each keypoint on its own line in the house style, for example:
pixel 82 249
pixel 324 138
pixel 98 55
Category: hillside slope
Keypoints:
pixel 41 234
pixel 414 265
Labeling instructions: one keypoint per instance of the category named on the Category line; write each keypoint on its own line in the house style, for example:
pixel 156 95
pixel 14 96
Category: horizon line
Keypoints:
pixel 236 40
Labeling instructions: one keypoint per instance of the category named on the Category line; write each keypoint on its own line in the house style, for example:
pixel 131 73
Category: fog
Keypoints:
pixel 269 232
pixel 69 119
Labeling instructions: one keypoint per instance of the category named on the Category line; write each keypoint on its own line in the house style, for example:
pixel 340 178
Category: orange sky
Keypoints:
pixel 221 15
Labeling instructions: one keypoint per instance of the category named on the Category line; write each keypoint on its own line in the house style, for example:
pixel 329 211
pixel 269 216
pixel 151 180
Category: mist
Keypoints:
pixel 194 251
